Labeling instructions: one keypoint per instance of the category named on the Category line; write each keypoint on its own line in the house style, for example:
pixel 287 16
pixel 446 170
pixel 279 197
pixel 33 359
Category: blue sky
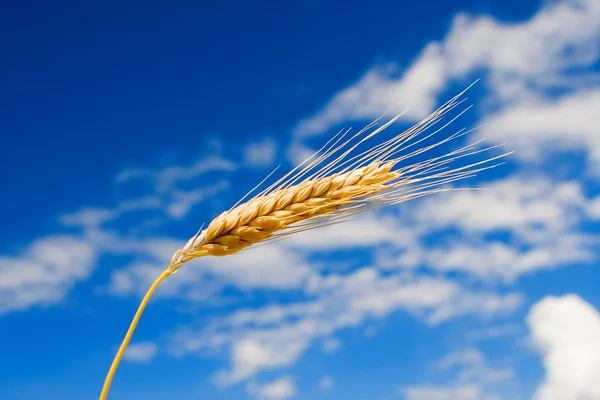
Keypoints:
pixel 127 125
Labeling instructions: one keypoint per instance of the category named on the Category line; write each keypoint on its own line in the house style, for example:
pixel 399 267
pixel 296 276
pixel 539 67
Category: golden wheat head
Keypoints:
pixel 346 185
pixel 345 177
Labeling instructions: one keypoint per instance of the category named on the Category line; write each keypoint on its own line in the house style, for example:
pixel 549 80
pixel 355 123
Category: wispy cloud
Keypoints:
pixel 457 392
pixel 523 60
pixel 183 201
pixel 543 220
pixel 88 217
pixel 495 332
pixel 331 345
pixel 547 124
pixel 141 352
pixel 379 90
pixel 44 273
pixel 276 337
pixel 326 383
pixel 472 375
pixel 93 218
pixel 167 178
pixel 280 389
pixel 260 154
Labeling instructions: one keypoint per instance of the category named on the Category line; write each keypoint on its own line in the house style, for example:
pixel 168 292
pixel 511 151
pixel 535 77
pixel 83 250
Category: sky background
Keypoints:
pixel 126 125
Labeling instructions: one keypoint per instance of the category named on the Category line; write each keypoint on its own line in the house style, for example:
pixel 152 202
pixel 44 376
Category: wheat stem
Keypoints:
pixel 134 322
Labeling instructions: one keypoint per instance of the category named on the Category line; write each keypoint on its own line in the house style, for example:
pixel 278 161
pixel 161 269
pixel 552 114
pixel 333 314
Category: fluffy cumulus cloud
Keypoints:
pixel 566 330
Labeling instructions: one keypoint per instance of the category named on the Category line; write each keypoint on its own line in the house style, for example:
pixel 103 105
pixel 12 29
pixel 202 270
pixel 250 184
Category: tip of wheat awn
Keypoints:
pixel 350 174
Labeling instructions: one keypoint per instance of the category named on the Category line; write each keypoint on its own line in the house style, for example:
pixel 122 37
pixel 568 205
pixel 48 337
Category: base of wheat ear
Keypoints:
pixel 345 177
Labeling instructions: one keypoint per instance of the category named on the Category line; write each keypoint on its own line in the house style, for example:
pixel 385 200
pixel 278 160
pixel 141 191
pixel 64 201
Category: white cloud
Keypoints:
pixel 163 194
pixel 485 304
pixel 518 203
pixel 268 267
pixel 369 293
pixel 564 124
pixel 540 94
pixel 541 217
pixel 271 314
pixel 567 331
pixel 142 203
pixel 168 178
pixel 460 358
pixel 593 208
pixel 277 336
pixel 267 349
pixel 167 188
pixel 379 90
pixel 363 231
pixel 496 259
pixel 183 201
pixel 473 378
pixel 44 273
pixel 151 257
pixel 260 154
pixel 94 218
pixel 331 345
pixel 282 388
pixel 297 152
pixel 140 352
pixel 326 383
pixel 136 278
pixel 494 332
pixel 88 217
pixel 370 331
pixel 466 392
pixel 561 35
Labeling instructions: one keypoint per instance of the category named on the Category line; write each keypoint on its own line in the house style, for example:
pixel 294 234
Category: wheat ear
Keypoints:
pixel 329 187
